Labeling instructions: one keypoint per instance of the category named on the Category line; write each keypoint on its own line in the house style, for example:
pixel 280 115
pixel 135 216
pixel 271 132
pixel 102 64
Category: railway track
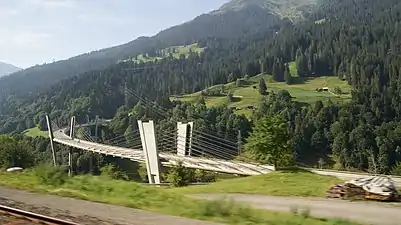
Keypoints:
pixel 13 216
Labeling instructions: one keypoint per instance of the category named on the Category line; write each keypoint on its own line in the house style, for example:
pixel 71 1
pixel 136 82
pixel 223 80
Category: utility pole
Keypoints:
pixel 72 135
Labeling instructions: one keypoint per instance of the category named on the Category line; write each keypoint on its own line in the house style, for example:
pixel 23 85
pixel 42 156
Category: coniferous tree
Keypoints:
pixel 262 86
pixel 287 75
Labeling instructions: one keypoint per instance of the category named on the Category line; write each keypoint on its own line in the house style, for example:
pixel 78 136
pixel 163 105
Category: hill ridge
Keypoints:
pixel 6 69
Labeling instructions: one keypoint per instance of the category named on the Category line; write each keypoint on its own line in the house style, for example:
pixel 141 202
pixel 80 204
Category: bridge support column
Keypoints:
pixel 96 128
pixel 149 145
pixel 88 129
pixel 49 127
pixel 72 127
pixel 184 138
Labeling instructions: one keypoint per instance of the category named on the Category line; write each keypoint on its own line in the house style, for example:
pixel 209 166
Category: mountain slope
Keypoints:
pixel 6 69
pixel 292 9
pixel 230 24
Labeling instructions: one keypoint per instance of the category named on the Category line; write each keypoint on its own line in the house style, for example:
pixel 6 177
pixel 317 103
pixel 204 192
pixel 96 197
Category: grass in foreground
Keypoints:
pixel 35 132
pixel 140 196
pixel 283 183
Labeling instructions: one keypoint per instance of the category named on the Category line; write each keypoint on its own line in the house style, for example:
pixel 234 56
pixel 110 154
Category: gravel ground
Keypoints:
pixel 6 219
pixel 84 212
pixel 364 212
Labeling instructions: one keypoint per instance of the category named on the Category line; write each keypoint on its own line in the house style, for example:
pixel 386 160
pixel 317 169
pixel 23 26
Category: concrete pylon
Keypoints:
pixel 191 127
pixel 72 127
pixel 149 145
pixel 96 127
pixel 184 138
pixel 50 129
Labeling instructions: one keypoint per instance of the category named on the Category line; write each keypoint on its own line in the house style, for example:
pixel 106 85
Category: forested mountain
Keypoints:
pixel 230 24
pixel 6 69
pixel 354 40
pixel 293 10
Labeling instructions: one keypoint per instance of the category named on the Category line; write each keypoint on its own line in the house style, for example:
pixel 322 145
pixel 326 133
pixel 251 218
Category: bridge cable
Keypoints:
pixel 169 115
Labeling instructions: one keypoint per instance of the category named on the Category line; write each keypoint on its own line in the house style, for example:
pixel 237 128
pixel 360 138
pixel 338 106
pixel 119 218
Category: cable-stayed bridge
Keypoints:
pixel 194 149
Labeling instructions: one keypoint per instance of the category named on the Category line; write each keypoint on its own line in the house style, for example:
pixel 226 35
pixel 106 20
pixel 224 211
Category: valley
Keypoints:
pixel 234 101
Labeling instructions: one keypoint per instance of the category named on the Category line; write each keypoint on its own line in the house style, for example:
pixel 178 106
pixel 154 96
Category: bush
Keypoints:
pixel 203 176
pixel 113 172
pixel 179 176
pixel 143 173
pixel 51 175
pixel 396 169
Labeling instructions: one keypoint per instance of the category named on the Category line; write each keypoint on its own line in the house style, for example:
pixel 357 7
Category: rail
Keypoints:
pixel 33 216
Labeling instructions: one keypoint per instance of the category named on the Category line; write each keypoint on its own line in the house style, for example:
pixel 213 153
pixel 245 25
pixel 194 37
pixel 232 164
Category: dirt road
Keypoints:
pixel 84 212
pixel 364 212
pixel 89 213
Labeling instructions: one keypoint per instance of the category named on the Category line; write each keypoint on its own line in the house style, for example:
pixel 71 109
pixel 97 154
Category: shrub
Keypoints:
pixel 179 176
pixel 203 176
pixel 396 169
pixel 51 175
pixel 143 173
pixel 113 172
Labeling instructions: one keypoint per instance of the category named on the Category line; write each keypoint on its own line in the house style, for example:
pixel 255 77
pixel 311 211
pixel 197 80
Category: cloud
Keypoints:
pixel 102 18
pixel 52 4
pixel 23 39
pixel 8 12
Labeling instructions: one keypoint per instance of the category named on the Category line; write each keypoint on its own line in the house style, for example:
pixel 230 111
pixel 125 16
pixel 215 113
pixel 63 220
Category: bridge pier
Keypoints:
pixel 49 127
pixel 96 128
pixel 184 138
pixel 149 145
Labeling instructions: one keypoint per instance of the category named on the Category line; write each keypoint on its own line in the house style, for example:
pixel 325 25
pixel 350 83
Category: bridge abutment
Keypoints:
pixel 149 145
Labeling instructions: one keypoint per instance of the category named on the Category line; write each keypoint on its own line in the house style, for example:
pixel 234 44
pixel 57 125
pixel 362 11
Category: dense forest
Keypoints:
pixel 356 41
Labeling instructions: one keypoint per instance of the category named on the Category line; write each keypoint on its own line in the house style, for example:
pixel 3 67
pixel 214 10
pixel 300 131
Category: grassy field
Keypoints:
pixel 140 196
pixel 35 132
pixel 247 95
pixel 176 51
pixel 284 183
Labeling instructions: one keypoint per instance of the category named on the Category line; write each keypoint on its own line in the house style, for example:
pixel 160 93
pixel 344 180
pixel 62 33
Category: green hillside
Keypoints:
pixel 247 93
pixel 35 132
pixel 175 51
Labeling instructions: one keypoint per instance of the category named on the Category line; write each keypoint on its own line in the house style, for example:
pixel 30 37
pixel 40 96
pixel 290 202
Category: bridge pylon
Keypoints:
pixel 49 128
pixel 184 138
pixel 149 145
pixel 72 127
pixel 96 128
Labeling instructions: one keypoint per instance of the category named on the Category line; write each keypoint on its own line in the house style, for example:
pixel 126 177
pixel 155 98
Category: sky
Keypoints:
pixel 38 31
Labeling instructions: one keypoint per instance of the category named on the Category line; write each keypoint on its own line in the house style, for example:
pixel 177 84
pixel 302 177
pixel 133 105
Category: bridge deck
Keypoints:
pixel 167 159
